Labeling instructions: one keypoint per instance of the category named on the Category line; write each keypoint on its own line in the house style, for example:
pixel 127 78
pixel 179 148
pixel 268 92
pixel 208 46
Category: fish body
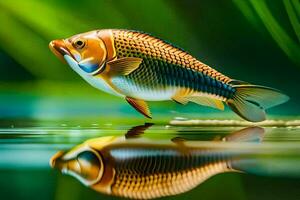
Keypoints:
pixel 144 171
pixel 141 168
pixel 165 70
pixel 140 68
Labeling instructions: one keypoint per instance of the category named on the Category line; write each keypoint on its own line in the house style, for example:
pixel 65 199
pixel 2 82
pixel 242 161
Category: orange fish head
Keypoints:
pixel 83 163
pixel 85 53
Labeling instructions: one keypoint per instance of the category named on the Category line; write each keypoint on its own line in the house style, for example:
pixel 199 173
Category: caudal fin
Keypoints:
pixel 251 101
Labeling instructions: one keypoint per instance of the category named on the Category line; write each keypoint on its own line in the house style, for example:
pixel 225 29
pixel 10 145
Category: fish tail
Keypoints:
pixel 251 101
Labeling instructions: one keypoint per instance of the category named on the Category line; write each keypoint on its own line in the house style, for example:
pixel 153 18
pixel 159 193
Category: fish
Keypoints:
pixel 143 168
pixel 139 68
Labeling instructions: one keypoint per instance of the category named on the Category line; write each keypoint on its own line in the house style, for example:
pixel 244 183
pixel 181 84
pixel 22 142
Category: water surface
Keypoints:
pixel 269 158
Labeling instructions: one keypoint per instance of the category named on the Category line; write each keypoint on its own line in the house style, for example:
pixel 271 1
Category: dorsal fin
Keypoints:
pixel 238 82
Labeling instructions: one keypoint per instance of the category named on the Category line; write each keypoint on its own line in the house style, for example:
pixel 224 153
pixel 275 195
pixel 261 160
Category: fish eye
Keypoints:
pixel 79 44
pixel 90 165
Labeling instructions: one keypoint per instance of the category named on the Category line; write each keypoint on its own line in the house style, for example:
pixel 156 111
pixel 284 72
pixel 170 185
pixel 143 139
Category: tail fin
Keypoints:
pixel 250 101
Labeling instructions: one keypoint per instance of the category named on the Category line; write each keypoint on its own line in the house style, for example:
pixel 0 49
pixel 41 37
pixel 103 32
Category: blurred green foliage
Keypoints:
pixel 286 42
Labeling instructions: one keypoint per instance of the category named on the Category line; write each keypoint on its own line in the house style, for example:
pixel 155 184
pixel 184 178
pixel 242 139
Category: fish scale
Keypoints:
pixel 157 76
pixel 153 47
pixel 135 177
pixel 171 65
pixel 170 158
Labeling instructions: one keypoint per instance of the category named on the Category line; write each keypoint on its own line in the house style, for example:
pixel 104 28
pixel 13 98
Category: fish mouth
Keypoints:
pixel 59 48
pixel 54 161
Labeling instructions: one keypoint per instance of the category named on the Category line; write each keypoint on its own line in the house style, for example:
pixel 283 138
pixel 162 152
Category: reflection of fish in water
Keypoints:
pixel 142 169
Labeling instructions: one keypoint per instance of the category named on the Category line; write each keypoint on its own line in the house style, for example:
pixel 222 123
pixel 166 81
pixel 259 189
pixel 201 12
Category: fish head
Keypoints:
pixel 83 163
pixel 85 53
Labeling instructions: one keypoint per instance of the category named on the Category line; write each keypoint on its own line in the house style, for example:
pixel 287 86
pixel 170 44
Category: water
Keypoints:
pixel 268 154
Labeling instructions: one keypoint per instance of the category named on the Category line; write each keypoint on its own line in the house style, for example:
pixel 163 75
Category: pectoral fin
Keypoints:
pixel 140 106
pixel 124 66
